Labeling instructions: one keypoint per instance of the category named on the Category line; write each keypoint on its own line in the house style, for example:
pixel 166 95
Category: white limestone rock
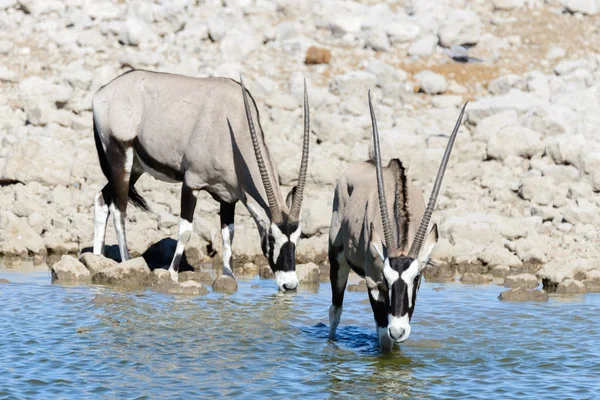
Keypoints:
pixel 514 140
pixel 589 7
pixel 423 46
pixel 460 27
pixel 431 82
pixel 69 269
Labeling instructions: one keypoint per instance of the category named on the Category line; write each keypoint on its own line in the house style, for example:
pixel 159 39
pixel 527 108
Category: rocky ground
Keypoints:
pixel 521 192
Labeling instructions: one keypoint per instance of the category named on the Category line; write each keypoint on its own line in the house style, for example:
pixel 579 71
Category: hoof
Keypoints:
pixel 228 272
pixel 174 275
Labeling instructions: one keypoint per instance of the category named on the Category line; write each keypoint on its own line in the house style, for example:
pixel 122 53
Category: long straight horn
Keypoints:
pixel 420 236
pixel 264 173
pixel 297 203
pixel 385 218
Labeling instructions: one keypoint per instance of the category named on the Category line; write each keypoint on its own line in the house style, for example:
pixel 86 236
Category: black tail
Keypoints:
pixel 137 200
pixel 134 197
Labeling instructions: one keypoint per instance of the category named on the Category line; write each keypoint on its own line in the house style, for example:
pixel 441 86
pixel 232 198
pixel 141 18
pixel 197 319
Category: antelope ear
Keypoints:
pixel 428 246
pixel 376 244
pixel 290 197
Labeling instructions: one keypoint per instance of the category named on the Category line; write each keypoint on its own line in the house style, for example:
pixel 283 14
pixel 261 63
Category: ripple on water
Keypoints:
pixel 90 341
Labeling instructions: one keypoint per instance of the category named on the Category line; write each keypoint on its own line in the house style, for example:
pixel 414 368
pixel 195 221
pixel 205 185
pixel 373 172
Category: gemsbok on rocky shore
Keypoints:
pixel 195 131
pixel 361 216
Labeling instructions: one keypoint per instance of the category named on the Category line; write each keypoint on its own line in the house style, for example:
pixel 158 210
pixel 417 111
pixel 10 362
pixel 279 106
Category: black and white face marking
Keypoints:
pixel 402 276
pixel 397 293
pixel 281 252
pixel 393 300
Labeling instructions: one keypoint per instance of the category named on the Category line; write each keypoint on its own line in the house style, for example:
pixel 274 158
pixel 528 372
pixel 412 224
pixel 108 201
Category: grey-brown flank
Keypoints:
pixel 194 131
pixel 361 217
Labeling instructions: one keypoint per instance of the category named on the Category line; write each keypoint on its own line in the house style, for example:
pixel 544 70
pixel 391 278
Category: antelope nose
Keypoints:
pixel 396 333
pixel 290 285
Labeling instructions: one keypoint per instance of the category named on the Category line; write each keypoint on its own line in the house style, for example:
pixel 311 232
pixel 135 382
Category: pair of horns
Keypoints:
pixel 276 213
pixel 390 241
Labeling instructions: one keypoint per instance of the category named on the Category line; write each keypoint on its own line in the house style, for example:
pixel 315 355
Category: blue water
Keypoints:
pixel 93 342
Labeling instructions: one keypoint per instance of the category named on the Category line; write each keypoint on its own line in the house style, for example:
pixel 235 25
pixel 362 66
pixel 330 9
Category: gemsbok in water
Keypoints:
pixel 194 131
pixel 361 209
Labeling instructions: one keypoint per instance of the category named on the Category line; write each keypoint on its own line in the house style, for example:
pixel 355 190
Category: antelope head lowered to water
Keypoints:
pixel 195 131
pixel 361 217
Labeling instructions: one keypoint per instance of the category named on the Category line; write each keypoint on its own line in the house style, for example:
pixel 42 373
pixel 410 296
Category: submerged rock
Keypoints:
pixel 197 276
pixel 131 273
pixel 191 288
pixel 2 280
pixel 69 269
pixel 225 284
pixel 522 294
pixel 266 272
pixel 188 288
pixel 308 273
pixel 358 287
pixel 527 281
pixel 477 279
pixel 96 262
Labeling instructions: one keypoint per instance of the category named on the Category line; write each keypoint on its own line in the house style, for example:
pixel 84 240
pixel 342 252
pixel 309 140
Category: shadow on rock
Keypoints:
pixel 159 255
pixel 111 252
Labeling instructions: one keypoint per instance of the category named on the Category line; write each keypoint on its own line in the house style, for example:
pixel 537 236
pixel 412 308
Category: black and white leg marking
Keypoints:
pixel 188 205
pixel 227 231
pixel 118 208
pixel 101 213
pixel 339 278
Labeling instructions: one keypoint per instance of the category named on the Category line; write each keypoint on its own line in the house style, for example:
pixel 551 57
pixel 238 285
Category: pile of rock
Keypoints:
pixel 136 274
pixel 521 191
pixel 131 274
pixel 571 275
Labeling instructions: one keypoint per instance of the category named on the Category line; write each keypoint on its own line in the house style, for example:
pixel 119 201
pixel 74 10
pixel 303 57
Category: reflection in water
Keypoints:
pixel 90 341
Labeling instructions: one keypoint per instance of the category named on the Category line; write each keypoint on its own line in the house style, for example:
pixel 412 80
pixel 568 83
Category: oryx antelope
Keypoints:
pixel 195 131
pixel 361 209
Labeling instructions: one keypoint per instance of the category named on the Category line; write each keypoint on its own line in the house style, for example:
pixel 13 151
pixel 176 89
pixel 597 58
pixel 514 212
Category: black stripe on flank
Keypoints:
pixel 104 166
pixel 155 165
